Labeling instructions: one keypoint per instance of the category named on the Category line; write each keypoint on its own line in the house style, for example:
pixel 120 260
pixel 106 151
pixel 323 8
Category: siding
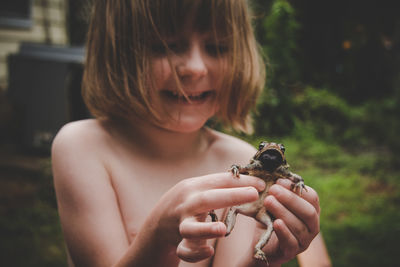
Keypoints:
pixel 10 38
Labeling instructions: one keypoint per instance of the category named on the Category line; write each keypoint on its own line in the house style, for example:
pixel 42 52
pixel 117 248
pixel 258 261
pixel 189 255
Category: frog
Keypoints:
pixel 269 164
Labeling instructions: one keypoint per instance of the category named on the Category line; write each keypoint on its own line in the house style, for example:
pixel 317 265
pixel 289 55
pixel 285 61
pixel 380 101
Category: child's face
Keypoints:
pixel 199 63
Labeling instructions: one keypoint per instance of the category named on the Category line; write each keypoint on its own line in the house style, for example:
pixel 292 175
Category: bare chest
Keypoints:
pixel 139 186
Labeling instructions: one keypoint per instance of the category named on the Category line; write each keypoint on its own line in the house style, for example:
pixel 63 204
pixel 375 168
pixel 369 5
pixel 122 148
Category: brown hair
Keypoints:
pixel 118 55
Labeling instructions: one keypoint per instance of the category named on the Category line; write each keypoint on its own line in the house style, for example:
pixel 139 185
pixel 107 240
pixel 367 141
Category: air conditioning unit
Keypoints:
pixel 44 86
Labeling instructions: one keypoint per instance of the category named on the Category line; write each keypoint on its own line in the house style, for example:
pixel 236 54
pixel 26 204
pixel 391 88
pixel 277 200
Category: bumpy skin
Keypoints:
pixel 269 164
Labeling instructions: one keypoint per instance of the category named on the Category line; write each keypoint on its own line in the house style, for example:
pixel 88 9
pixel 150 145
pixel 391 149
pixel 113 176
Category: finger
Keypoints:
pixel 288 244
pixel 297 207
pixel 297 227
pixel 191 228
pixel 310 195
pixel 194 251
pixel 204 201
pixel 227 180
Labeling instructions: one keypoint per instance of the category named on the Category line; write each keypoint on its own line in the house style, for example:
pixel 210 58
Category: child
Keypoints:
pixel 134 186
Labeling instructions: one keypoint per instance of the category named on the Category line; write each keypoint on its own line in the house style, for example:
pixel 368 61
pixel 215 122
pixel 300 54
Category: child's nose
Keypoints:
pixel 192 64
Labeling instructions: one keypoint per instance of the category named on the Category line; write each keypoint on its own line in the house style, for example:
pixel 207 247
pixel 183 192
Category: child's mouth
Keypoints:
pixel 192 98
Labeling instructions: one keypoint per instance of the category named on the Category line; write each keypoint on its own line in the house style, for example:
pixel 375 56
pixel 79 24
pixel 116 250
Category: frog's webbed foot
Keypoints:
pixel 298 184
pixel 213 215
pixel 230 220
pixel 260 255
pixel 235 170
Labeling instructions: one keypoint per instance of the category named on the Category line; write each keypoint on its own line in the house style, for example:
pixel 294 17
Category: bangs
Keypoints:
pixel 170 17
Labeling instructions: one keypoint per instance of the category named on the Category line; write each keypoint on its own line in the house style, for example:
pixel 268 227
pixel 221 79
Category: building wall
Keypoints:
pixel 44 12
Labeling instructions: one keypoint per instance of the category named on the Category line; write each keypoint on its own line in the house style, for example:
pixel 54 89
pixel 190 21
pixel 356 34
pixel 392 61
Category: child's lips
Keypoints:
pixel 192 97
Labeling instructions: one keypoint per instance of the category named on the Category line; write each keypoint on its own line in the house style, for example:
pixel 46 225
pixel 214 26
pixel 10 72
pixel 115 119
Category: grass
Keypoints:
pixel 29 225
pixel 359 196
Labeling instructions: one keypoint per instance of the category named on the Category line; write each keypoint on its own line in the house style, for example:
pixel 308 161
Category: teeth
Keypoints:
pixel 194 96
pixel 178 94
pixel 174 93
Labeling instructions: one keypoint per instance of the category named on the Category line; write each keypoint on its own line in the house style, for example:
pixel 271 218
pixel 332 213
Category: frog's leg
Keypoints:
pixel 264 218
pixel 297 180
pixel 230 220
pixel 298 183
pixel 213 215
pixel 248 209
pixel 236 169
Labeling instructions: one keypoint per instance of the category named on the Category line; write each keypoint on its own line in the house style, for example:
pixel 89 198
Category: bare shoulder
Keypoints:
pixel 79 132
pixel 78 144
pixel 232 148
pixel 79 138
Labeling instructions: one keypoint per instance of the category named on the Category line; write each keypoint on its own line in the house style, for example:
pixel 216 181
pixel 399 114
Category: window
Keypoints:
pixel 16 13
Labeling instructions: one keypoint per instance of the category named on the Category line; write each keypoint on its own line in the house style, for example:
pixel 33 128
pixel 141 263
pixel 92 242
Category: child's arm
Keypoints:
pixel 87 204
pixel 316 255
pixel 92 223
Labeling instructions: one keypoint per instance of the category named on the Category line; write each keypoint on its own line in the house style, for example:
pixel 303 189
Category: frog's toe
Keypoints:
pixel 299 187
pixel 213 215
pixel 260 255
pixel 234 170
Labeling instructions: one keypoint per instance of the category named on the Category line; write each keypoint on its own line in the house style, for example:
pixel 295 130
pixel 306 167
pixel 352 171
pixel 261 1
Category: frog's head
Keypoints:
pixel 271 155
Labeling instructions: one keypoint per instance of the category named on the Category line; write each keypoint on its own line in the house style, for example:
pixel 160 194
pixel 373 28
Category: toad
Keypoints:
pixel 269 163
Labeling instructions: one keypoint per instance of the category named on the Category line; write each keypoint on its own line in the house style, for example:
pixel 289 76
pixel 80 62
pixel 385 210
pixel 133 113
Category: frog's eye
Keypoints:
pixel 261 146
pixel 282 148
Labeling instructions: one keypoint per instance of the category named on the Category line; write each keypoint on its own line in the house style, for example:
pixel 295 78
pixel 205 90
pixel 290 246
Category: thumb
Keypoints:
pixel 194 250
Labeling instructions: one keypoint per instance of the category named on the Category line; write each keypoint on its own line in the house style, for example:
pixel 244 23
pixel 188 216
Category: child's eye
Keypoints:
pixel 216 49
pixel 177 47
pixel 161 50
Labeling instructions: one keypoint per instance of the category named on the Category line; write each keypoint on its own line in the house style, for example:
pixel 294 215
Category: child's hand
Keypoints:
pixel 296 221
pixel 188 204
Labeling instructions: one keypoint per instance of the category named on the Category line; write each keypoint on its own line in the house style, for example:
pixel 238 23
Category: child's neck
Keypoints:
pixel 158 143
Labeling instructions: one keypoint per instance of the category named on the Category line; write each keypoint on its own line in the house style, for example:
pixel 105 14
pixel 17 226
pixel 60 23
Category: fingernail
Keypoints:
pixel 252 191
pixel 219 228
pixel 249 188
pixel 275 189
pixel 260 185
pixel 284 182
pixel 270 201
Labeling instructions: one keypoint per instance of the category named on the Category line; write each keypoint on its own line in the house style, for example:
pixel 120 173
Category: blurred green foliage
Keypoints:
pixel 337 74
pixel 333 98
pixel 29 224
pixel 277 35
